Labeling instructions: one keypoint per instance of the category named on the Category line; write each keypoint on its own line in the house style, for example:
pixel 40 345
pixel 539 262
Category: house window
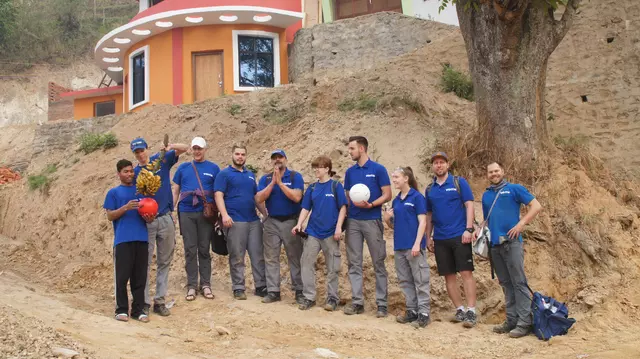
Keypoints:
pixel 139 77
pixel 104 108
pixel 256 56
pixel 154 2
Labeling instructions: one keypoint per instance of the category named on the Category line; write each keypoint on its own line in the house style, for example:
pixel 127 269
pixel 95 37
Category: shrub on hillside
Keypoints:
pixel 457 82
pixel 43 180
pixel 90 142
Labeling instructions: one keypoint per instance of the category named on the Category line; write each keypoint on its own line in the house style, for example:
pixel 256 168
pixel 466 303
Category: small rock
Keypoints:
pixel 223 331
pixel 64 353
pixel 325 353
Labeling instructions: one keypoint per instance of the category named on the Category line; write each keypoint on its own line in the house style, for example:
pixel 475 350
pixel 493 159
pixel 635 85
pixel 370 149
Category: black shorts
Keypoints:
pixel 452 256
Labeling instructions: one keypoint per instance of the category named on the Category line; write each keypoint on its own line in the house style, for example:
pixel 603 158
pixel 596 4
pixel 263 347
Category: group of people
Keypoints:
pixel 440 221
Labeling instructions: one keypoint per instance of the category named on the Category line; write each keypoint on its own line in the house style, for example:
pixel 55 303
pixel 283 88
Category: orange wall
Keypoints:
pixel 83 107
pixel 160 64
pixel 220 38
pixel 195 39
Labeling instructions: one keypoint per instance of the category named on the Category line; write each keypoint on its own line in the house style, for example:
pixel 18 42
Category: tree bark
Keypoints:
pixel 508 44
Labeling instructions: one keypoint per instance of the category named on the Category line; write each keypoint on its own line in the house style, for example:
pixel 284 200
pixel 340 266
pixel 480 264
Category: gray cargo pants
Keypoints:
pixel 331 250
pixel 245 237
pixel 371 231
pixel 275 234
pixel 162 235
pixel 196 235
pixel 508 263
pixel 413 278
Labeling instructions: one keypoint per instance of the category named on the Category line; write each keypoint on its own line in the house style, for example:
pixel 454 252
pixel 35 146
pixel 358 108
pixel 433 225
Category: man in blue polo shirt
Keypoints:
pixel 282 192
pixel 162 230
pixel 235 189
pixel 130 246
pixel 364 223
pixel 450 214
pixel 507 254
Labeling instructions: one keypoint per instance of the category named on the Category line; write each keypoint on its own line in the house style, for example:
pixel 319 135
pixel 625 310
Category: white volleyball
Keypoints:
pixel 359 193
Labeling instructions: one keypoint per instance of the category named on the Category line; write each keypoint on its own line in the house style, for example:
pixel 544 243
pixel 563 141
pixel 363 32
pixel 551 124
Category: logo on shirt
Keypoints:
pixel 208 174
pixel 287 183
pixel 409 204
pixel 329 194
pixel 505 192
pixel 253 178
pixel 450 189
pixel 371 175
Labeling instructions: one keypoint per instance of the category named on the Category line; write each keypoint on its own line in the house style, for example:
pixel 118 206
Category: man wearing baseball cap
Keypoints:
pixel 450 214
pixel 194 182
pixel 281 191
pixel 162 229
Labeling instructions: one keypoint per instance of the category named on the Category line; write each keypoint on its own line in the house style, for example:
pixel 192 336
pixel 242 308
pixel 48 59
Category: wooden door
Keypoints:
pixel 207 75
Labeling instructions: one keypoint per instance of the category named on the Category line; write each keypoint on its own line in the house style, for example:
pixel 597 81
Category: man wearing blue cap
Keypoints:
pixel 450 214
pixel 281 190
pixel 162 230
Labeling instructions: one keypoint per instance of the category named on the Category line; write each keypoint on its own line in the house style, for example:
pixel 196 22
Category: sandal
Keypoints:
pixel 143 318
pixel 207 293
pixel 122 317
pixel 191 295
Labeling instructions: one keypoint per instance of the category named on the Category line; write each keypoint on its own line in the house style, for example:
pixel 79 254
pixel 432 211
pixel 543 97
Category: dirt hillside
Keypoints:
pixel 56 247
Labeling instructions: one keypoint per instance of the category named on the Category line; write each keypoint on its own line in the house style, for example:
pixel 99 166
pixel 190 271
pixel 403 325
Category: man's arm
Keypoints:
pixel 180 148
pixel 219 198
pixel 534 208
pixel 293 194
pixel 113 215
pixel 470 213
pixel 262 195
pixel 176 195
pixel 262 207
pixel 386 196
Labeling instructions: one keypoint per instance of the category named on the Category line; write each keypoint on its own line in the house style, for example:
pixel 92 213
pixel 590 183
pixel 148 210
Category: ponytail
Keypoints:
pixel 332 173
pixel 413 183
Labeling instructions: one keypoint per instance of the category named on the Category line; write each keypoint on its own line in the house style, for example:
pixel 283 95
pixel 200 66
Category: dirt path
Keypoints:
pixel 282 331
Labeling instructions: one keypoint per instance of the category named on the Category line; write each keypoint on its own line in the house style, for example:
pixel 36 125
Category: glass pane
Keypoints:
pixel 264 70
pixel 138 78
pixel 245 43
pixel 264 45
pixel 247 70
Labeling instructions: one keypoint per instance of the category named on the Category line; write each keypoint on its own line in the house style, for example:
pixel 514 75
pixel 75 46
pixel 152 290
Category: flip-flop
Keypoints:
pixel 191 295
pixel 122 317
pixel 143 318
pixel 207 293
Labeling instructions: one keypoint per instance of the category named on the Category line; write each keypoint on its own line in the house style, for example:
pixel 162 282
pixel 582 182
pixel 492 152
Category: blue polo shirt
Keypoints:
pixel 278 204
pixel 447 205
pixel 506 212
pixel 374 176
pixel 185 177
pixel 324 208
pixel 130 227
pixel 239 188
pixel 405 219
pixel 164 197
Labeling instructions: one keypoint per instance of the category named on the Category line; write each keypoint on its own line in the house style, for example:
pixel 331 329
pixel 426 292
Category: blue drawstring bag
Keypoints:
pixel 550 317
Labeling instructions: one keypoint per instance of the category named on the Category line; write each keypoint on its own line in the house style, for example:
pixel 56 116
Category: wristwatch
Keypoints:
pixel 470 230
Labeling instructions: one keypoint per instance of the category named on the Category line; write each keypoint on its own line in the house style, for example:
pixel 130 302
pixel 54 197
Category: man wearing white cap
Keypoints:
pixel 194 182
pixel 281 191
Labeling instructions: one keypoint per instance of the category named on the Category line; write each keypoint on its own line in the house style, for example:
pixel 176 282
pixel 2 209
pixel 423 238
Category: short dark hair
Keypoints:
pixel 122 164
pixel 360 140
pixel 238 146
pixel 496 162
pixel 323 162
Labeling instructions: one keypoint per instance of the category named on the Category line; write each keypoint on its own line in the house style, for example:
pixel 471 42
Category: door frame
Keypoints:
pixel 193 69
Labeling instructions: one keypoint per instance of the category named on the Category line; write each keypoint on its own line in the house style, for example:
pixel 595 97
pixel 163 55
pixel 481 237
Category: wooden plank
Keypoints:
pixel 207 75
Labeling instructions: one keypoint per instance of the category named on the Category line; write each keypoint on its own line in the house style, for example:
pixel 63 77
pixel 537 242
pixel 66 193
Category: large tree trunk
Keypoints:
pixel 508 44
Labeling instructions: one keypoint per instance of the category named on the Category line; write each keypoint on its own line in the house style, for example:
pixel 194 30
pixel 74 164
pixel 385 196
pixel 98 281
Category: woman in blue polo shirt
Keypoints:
pixel 327 203
pixel 408 218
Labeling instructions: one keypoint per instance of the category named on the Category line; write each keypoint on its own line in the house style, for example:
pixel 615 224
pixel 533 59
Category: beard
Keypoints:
pixel 237 163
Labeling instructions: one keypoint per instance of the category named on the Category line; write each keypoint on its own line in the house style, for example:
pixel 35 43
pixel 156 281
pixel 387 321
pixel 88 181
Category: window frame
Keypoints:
pixel 142 50
pixel 275 37
pixel 95 107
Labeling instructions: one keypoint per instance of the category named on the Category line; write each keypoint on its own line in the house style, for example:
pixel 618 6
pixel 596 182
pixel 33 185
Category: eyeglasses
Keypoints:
pixel 399 169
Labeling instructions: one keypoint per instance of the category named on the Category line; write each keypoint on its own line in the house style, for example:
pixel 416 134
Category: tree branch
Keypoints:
pixel 562 26
pixel 509 10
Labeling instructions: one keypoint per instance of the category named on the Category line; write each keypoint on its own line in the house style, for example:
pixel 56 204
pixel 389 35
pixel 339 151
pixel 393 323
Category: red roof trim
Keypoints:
pixel 93 92
pixel 172 5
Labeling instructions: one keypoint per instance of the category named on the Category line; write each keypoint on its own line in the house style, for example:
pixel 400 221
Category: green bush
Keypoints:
pixel 364 102
pixel 275 113
pixel 251 168
pixel 234 109
pixel 456 82
pixel 42 181
pixel 90 142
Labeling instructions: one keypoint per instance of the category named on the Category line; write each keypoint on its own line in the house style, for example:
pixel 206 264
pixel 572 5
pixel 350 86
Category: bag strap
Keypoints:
pixel 204 197
pixel 486 220
pixel 334 186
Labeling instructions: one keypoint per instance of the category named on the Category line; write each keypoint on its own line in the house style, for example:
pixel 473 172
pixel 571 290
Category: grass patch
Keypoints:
pixel 43 180
pixel 364 102
pixel 457 82
pixel 90 142
pixel 275 113
pixel 234 109
pixel 251 168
